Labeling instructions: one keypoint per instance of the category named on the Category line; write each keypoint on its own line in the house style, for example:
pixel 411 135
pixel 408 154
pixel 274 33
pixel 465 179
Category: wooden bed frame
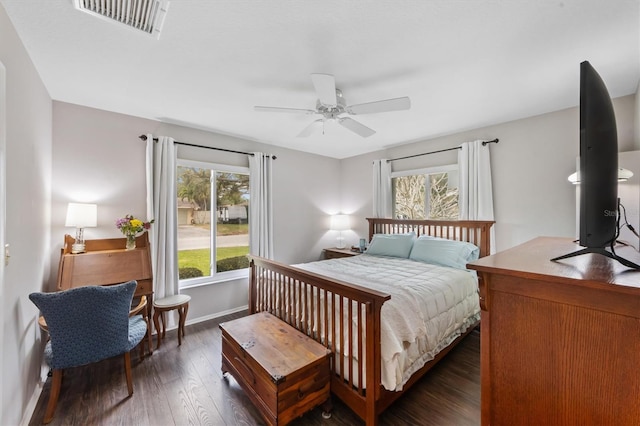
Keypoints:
pixel 297 297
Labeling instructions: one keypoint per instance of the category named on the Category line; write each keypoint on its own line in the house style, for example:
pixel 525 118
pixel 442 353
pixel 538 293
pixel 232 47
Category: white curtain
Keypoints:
pixel 475 190
pixel 161 207
pixel 382 189
pixel 260 205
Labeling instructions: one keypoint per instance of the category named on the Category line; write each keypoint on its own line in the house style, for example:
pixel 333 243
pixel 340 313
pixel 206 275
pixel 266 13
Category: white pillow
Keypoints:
pixel 394 245
pixel 440 251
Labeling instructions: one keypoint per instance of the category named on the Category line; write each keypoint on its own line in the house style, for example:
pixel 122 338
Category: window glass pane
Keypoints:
pixel 213 222
pixel 232 227
pixel 194 222
pixel 426 196
pixel 409 197
pixel 443 196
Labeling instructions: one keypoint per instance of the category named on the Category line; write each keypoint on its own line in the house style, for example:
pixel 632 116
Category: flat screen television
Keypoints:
pixel 598 174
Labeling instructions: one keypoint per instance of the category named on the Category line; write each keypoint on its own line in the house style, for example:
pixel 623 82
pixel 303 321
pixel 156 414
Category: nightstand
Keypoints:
pixel 334 253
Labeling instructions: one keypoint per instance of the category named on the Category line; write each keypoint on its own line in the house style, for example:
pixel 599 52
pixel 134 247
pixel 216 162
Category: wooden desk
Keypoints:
pixel 107 262
pixel 560 341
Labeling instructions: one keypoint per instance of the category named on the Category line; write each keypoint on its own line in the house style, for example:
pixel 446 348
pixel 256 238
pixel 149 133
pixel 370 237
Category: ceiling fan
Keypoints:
pixel 331 105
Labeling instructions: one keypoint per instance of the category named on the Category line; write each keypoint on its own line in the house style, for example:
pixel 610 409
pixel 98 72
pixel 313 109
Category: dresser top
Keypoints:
pixel 533 260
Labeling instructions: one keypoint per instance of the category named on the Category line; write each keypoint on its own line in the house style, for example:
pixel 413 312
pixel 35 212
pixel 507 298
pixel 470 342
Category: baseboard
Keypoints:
pixel 209 317
pixel 31 405
pixel 217 315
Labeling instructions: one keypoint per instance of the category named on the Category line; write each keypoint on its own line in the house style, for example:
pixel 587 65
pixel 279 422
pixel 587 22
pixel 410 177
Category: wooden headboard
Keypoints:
pixel 472 231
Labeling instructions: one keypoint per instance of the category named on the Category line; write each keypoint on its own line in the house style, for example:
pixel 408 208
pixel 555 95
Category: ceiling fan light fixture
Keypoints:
pixel 331 105
pixel 142 15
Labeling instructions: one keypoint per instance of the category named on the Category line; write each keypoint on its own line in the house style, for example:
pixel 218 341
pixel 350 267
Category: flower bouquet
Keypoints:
pixel 131 227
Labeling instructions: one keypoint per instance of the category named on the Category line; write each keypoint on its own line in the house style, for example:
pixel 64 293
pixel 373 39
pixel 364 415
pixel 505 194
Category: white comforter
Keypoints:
pixel 429 307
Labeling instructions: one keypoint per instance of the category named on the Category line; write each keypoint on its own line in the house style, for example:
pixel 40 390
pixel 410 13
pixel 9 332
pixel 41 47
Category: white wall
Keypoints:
pixel 98 158
pixel 629 194
pixel 530 165
pixel 636 121
pixel 28 204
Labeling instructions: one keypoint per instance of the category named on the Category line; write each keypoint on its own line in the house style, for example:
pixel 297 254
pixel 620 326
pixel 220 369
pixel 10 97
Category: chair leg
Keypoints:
pixel 127 372
pixel 184 317
pixel 54 393
pixel 156 323
pixel 180 323
pixel 141 344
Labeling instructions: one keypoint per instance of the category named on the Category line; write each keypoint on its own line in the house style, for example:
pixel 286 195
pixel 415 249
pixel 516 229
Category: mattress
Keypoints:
pixel 430 306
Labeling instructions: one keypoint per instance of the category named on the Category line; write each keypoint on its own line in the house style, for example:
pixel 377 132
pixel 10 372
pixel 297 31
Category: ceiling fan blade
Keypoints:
pixel 396 104
pixel 311 128
pixel 356 127
pixel 325 85
pixel 279 109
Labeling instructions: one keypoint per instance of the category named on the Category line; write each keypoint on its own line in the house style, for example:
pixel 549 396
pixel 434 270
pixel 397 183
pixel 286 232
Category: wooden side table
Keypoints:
pixel 179 302
pixel 334 253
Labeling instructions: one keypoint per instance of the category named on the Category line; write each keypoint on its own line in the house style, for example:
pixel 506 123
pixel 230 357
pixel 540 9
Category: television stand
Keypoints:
pixel 602 251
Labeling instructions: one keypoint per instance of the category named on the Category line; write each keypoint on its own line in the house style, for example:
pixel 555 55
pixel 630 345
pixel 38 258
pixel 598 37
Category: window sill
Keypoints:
pixel 206 281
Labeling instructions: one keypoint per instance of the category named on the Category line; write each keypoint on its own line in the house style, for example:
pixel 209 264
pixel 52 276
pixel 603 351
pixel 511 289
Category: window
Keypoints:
pixel 213 221
pixel 426 194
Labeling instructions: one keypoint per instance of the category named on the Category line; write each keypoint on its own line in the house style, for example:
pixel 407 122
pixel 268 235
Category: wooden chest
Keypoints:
pixel 284 372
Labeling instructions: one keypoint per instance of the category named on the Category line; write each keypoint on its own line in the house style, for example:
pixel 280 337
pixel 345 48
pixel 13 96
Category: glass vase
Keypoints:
pixel 131 242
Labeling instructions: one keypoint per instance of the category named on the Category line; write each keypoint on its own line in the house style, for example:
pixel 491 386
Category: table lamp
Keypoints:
pixel 81 216
pixel 340 222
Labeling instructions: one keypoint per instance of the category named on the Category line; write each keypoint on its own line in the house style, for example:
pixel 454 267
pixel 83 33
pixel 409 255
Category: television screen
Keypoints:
pixel 598 161
pixel 598 174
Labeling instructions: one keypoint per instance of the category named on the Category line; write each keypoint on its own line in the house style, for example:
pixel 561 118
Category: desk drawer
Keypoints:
pixel 144 287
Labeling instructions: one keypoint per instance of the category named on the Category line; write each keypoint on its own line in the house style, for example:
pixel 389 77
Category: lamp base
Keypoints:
pixel 78 248
pixel 340 244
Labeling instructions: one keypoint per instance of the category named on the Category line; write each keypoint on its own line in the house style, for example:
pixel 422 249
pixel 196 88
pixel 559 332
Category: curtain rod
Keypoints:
pixel 496 140
pixel 144 138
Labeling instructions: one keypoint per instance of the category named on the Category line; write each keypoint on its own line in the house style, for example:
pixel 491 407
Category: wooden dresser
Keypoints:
pixel 284 372
pixel 560 341
pixel 107 262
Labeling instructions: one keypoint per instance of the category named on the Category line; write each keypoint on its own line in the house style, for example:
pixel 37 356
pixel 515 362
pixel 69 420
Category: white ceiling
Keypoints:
pixel 464 63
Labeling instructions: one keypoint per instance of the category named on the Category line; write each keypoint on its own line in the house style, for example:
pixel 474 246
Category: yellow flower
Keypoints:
pixel 136 223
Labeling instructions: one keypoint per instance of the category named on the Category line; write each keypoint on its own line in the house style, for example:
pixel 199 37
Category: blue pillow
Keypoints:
pixel 394 245
pixel 440 251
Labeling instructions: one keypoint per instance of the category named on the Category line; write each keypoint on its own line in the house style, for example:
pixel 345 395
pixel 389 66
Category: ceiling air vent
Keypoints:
pixel 142 15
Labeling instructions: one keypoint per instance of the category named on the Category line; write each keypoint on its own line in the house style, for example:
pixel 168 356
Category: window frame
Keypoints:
pixel 215 277
pixel 446 168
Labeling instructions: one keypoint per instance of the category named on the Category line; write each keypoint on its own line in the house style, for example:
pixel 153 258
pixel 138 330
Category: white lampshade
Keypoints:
pixel 82 215
pixel 623 175
pixel 340 222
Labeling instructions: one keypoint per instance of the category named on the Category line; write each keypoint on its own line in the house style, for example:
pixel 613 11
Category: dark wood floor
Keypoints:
pixel 183 385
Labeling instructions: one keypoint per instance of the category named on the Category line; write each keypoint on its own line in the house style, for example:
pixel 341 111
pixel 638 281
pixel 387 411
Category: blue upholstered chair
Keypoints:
pixel 87 325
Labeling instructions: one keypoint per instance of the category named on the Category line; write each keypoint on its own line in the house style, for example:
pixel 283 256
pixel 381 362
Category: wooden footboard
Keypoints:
pixel 345 317
pixel 323 308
